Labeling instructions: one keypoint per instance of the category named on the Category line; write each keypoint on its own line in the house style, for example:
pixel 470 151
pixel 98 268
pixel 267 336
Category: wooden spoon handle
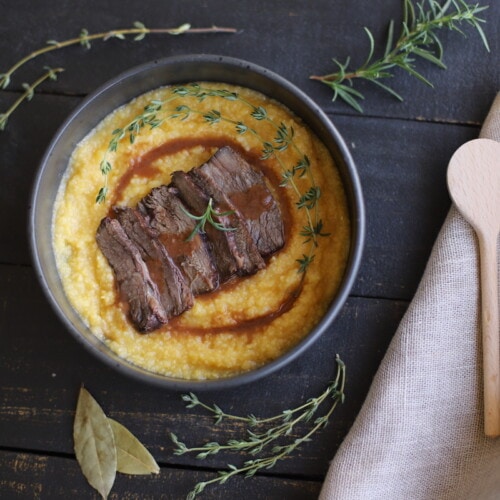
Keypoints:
pixel 491 343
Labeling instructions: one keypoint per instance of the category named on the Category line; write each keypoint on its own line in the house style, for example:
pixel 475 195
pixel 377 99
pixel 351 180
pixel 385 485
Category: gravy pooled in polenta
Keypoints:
pixel 245 321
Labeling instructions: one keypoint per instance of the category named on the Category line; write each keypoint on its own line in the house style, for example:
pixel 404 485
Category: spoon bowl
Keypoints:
pixel 474 185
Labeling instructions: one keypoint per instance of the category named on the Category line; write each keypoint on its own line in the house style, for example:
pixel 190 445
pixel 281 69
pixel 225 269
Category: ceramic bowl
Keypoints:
pixel 122 89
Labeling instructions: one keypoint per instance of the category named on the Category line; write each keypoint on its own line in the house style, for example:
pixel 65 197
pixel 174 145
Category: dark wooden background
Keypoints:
pixel 401 151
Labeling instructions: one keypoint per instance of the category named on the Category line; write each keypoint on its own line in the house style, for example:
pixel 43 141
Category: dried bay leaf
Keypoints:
pixel 132 456
pixel 94 444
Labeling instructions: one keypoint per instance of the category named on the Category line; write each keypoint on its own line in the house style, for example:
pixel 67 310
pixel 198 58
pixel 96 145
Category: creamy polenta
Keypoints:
pixel 247 322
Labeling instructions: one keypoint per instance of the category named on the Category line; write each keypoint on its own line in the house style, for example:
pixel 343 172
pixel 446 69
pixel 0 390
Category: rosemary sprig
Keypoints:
pixel 208 216
pixel 29 92
pixel 256 442
pixel 418 37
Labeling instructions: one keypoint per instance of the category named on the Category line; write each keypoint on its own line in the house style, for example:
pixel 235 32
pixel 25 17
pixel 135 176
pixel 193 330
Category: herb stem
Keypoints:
pixel 257 441
pixel 418 37
pixel 154 115
pixel 28 94
pixel 208 216
pixel 139 30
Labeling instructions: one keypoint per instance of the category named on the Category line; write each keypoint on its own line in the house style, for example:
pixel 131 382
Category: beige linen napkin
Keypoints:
pixel 419 435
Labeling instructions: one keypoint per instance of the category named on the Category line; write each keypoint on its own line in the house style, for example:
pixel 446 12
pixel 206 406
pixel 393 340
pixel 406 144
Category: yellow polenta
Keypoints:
pixel 207 341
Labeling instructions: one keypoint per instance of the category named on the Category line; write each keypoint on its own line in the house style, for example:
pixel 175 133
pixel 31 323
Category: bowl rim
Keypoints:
pixel 98 347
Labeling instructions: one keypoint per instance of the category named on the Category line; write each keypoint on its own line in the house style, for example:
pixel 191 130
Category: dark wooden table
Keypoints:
pixel 401 151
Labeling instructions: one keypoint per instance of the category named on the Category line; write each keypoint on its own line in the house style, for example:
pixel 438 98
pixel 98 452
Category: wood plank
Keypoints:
pixel 280 38
pixel 22 146
pixel 33 476
pixel 402 167
pixel 42 368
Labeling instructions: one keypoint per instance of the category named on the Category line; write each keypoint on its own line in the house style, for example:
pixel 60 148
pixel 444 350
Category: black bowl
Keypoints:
pixel 123 88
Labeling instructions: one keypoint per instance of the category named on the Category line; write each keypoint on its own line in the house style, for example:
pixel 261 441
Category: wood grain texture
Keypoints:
pixel 474 184
pixel 401 151
pixel 42 367
pixel 292 37
pixel 24 475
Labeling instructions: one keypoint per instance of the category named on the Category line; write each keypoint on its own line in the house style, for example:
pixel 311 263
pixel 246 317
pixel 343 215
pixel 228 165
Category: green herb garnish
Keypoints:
pixel 417 38
pixel 208 216
pixel 157 111
pixel 29 92
pixel 138 32
pixel 258 441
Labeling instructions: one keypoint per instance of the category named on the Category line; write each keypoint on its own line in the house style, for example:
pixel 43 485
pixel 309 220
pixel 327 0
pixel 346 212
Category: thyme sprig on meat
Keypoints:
pixel 417 37
pixel 283 139
pixel 209 216
pixel 279 427
pixel 157 111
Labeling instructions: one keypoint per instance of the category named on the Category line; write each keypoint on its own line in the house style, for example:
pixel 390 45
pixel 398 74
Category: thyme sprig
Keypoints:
pixel 209 216
pixel 157 111
pixel 283 139
pixel 257 441
pixel 138 32
pixel 418 37
pixel 29 92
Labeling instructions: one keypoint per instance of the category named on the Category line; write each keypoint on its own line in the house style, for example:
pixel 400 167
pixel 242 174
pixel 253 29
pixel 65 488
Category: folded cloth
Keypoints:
pixel 419 434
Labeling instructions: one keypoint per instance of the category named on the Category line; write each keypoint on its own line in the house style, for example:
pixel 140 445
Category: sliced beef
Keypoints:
pixel 243 247
pixel 175 294
pixel 244 188
pixel 168 217
pixel 159 267
pixel 220 242
pixel 137 289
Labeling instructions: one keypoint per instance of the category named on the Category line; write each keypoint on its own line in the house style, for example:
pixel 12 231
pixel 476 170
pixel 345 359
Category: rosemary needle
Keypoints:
pixel 418 37
pixel 208 216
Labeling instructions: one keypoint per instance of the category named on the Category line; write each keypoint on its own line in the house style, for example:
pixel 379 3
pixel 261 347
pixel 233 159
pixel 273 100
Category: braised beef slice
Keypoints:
pixel 175 294
pixel 244 188
pixel 168 217
pixel 158 268
pixel 220 243
pixel 136 287
pixel 243 247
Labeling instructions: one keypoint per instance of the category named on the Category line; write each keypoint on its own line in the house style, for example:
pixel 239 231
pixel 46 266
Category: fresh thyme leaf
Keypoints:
pixel 310 198
pixel 259 113
pixel 309 232
pixel 101 195
pixel 84 38
pixel 418 37
pixel 305 262
pixel 212 116
pixel 302 166
pixel 156 112
pixel 257 441
pixel 139 31
pixel 29 91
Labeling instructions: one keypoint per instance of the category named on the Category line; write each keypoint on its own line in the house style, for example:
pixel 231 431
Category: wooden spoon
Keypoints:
pixel 474 185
